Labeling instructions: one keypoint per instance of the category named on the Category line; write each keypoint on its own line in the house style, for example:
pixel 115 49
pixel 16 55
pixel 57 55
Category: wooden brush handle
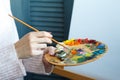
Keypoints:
pixel 35 29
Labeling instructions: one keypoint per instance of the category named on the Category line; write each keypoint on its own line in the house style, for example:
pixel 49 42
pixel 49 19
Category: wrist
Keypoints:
pixel 17 51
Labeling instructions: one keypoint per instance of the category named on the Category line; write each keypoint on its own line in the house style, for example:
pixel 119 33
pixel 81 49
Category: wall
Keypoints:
pixel 100 20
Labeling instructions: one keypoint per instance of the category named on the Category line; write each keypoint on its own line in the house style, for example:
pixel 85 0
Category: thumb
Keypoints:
pixel 50 50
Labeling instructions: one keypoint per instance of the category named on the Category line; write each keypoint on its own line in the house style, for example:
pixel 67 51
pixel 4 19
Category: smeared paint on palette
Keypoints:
pixel 81 51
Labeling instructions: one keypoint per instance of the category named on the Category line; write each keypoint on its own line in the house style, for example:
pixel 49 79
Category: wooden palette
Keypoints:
pixel 87 51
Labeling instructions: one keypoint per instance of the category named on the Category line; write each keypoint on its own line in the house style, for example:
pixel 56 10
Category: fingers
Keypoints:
pixel 39 46
pixel 37 52
pixel 33 43
pixel 38 42
pixel 38 49
pixel 40 37
pixel 50 50
pixel 40 34
pixel 42 40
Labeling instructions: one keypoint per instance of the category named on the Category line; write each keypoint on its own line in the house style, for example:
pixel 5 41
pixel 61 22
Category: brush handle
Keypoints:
pixel 31 27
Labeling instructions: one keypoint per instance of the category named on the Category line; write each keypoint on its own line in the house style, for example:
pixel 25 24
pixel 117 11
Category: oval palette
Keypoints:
pixel 81 51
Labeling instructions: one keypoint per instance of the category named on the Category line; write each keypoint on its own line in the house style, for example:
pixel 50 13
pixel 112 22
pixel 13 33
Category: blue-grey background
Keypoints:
pixel 100 20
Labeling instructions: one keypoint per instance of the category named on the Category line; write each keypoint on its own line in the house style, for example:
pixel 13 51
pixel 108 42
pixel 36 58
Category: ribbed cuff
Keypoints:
pixel 35 65
pixel 10 66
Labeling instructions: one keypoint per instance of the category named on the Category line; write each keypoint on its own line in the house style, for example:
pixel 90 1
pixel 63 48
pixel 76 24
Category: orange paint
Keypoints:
pixel 73 52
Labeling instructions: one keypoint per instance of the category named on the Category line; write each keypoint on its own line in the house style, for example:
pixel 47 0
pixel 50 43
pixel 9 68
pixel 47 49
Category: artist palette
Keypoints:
pixel 81 51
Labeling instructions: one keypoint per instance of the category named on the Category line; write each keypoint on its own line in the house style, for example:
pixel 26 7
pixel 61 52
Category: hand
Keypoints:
pixel 49 50
pixel 32 44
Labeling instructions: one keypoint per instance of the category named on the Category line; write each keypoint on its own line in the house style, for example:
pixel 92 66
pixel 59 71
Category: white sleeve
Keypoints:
pixel 35 65
pixel 10 67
